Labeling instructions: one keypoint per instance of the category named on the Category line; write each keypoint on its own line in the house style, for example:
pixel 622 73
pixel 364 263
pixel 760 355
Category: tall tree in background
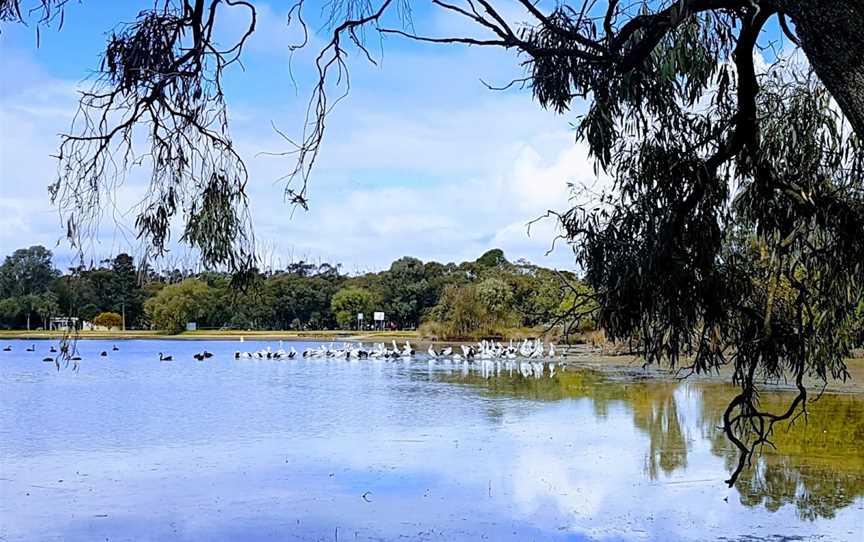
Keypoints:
pixel 25 277
pixel 125 289
pixel 734 231
pixel 407 291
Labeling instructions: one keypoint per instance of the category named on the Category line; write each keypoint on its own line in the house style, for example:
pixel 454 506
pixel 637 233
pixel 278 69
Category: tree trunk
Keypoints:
pixel 831 33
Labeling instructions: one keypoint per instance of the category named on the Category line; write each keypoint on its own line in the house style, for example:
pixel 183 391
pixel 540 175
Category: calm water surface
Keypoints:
pixel 129 448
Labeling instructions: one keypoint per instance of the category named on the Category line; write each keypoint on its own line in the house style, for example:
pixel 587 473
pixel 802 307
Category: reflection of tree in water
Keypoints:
pixel 656 412
pixel 818 465
pixel 653 405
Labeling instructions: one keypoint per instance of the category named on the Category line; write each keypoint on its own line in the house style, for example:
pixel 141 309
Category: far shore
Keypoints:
pixel 269 335
pixel 217 335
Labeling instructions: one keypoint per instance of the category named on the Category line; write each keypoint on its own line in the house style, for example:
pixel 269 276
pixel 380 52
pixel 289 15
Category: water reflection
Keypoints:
pixel 652 403
pixel 817 466
pixel 133 449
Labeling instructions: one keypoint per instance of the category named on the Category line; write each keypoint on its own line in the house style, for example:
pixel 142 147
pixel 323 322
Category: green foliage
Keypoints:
pixel 348 302
pixel 579 304
pixel 110 320
pixel 703 149
pixel 116 286
pixel 708 158
pixel 88 312
pixel 301 298
pixel 496 296
pixel 488 295
pixel 27 271
pixel 44 304
pixel 124 294
pixel 474 309
pixel 492 258
pixel 25 279
pixel 10 310
pixel 177 304
pixel 407 291
pixel 460 313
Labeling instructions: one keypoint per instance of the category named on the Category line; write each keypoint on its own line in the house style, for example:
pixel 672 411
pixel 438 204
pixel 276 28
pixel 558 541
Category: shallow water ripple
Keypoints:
pixel 129 448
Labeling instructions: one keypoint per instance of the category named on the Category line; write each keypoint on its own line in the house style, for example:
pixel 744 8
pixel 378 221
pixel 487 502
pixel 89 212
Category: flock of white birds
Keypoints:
pixel 531 358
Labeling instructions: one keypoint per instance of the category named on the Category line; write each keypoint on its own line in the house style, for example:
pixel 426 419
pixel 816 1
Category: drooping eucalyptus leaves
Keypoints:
pixel 733 234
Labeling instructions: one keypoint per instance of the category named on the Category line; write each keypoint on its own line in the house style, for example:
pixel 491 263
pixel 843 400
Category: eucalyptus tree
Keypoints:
pixel 733 233
pixel 734 230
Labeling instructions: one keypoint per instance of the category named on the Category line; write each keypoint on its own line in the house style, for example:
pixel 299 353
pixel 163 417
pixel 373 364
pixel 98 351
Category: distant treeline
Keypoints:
pixel 484 296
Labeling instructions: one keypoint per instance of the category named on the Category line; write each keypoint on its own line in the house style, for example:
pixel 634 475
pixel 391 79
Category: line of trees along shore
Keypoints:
pixel 484 296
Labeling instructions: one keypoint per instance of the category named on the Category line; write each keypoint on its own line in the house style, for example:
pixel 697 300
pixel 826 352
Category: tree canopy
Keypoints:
pixel 302 296
pixel 734 229
pixel 349 303
pixel 25 279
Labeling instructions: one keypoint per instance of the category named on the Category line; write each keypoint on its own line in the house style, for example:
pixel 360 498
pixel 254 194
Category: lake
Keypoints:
pixel 130 448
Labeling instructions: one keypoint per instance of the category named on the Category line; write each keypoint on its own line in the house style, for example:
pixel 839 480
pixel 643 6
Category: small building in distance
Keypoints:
pixel 65 323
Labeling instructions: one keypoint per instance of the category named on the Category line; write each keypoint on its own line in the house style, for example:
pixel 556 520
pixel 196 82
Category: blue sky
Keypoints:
pixel 421 159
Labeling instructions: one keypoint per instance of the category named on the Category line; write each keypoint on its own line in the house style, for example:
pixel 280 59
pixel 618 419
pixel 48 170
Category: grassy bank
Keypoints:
pixel 228 335
pixel 233 334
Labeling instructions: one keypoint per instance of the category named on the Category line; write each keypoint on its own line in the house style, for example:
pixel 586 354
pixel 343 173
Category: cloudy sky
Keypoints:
pixel 420 159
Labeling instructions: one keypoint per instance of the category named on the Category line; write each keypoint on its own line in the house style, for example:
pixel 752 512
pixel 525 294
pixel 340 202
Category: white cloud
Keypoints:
pixel 407 168
pixel 370 223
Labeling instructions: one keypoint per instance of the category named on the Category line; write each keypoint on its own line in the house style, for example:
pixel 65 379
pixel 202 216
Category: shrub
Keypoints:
pixel 348 302
pixel 176 304
pixel 108 319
